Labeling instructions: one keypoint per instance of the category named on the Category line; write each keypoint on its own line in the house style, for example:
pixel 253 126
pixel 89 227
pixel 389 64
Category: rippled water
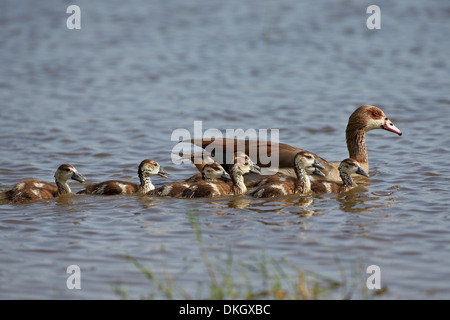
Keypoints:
pixel 107 96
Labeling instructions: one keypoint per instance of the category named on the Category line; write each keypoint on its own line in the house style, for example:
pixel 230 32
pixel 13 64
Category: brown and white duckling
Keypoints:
pixel 346 168
pixel 281 185
pixel 200 159
pixel 210 175
pixel 237 172
pixel 32 189
pixel 242 166
pixel 147 168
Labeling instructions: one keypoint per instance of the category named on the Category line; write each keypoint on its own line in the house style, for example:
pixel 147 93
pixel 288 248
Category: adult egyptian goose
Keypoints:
pixel 281 185
pixel 146 169
pixel 222 188
pixel 211 173
pixel 362 120
pixel 32 189
pixel 346 168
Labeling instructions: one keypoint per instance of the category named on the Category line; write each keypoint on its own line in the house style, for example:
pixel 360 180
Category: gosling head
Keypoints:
pixel 214 171
pixel 149 168
pixel 306 160
pixel 351 166
pixel 66 172
pixel 245 164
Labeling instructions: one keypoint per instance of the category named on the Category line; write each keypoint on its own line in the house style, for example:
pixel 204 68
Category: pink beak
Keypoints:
pixel 389 126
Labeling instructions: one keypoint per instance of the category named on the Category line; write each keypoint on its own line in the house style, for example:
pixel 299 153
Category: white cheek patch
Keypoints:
pixel 38 185
pixel 20 186
pixel 376 124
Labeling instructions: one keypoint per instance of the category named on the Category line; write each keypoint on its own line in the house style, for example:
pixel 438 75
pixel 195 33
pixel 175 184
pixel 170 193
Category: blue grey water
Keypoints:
pixel 109 95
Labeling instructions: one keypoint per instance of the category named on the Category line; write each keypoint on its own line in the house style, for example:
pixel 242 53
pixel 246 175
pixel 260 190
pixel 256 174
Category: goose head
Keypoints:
pixel 149 168
pixel 369 118
pixel 351 166
pixel 66 172
pixel 214 171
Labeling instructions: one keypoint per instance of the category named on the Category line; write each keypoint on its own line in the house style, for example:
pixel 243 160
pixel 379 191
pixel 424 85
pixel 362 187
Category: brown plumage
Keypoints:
pixel 242 166
pixel 212 173
pixel 280 185
pixel 200 159
pixel 362 120
pixel 146 169
pixel 346 168
pixel 33 190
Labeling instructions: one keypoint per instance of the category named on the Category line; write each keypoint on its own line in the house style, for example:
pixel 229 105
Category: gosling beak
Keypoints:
pixel 361 172
pixel 162 173
pixel 317 164
pixel 225 175
pixel 78 177
pixel 318 172
pixel 389 126
pixel 255 169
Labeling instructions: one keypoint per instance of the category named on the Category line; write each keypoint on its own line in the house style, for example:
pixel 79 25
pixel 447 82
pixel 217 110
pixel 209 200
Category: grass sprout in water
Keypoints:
pixel 264 278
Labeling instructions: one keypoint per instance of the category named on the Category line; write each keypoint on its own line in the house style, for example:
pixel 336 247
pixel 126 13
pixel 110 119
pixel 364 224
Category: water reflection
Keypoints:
pixel 65 199
pixel 359 200
pixel 239 202
pixel 147 202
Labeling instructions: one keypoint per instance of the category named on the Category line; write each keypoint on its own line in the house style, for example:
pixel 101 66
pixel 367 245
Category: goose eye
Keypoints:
pixel 376 114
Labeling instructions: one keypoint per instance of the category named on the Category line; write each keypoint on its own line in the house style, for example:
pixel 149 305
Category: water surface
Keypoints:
pixel 107 96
